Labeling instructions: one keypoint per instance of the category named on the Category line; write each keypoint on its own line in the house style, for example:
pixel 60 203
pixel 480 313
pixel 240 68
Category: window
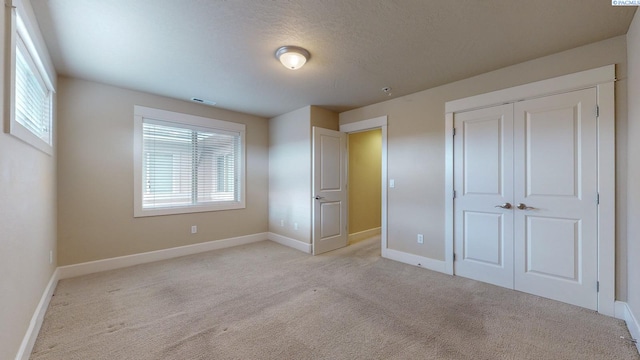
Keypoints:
pixel 186 163
pixel 31 90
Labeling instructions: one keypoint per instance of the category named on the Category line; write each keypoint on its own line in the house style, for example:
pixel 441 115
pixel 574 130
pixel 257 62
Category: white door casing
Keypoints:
pixel 483 161
pixel 538 160
pixel 555 150
pixel 329 177
pixel 371 124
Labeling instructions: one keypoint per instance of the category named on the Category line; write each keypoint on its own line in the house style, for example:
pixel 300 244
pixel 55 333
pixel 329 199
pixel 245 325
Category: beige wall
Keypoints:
pixel 416 144
pixel 27 234
pixel 633 166
pixel 290 169
pixel 27 227
pixel 290 175
pixel 365 167
pixel 95 177
pixel 324 118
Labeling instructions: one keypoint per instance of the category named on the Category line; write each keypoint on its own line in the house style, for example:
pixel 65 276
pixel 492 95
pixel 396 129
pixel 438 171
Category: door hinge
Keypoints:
pixel 597 111
pixel 454 256
pixel 597 198
pixel 597 286
pixel 454 131
pixel 454 194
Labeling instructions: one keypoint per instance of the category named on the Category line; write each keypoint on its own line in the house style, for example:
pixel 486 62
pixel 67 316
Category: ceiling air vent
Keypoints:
pixel 202 101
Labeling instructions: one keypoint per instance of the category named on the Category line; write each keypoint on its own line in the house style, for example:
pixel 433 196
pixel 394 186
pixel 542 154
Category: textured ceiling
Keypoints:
pixel 223 50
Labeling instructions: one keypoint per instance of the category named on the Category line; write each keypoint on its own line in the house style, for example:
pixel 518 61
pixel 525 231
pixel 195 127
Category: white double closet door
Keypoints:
pixel 525 177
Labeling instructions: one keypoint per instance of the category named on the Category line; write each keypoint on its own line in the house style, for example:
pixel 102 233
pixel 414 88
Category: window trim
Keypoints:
pixel 141 113
pixel 21 29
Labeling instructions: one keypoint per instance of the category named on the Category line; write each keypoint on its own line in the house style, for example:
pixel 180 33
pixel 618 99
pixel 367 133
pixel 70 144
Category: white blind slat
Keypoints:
pixel 32 97
pixel 188 166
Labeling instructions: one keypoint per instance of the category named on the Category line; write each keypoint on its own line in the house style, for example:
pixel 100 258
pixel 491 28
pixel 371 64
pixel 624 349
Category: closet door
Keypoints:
pixel 483 181
pixel 555 197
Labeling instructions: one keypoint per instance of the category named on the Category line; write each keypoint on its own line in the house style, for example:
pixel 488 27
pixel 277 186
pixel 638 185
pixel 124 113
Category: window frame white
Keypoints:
pixel 24 29
pixel 141 113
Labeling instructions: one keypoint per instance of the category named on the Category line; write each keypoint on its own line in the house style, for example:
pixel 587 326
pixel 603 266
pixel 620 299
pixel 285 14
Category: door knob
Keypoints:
pixel 318 197
pixel 522 206
pixel 504 206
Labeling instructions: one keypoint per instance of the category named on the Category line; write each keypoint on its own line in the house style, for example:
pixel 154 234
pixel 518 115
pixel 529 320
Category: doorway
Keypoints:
pixel 380 124
pixel 365 184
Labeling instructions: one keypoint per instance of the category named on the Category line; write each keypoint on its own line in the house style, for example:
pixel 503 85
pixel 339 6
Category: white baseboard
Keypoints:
pixel 623 312
pixel 411 259
pixel 362 235
pixel 91 267
pixel 38 317
pixel 292 243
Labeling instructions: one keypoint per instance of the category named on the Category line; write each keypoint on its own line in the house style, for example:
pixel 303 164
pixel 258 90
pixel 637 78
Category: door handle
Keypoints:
pixel 504 206
pixel 522 206
pixel 318 197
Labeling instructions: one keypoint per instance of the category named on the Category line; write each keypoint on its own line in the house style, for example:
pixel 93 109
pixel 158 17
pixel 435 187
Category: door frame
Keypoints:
pixel 603 79
pixel 372 124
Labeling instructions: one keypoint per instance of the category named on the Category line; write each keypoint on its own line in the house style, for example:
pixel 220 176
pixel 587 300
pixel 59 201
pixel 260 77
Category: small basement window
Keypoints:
pixel 31 91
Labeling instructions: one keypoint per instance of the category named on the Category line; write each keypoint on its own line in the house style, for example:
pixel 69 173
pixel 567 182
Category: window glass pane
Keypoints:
pixel 32 98
pixel 188 166
pixel 216 173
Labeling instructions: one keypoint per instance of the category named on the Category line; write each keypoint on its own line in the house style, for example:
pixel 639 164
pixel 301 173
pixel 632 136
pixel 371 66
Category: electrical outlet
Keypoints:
pixel 392 183
pixel 420 239
pixel 194 229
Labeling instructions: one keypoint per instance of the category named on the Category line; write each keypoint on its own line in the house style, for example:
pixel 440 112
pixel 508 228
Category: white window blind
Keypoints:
pixel 32 96
pixel 185 165
pixel 31 89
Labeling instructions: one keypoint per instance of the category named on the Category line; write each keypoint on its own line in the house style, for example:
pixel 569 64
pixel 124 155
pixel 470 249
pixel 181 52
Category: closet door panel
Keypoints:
pixel 483 181
pixel 555 183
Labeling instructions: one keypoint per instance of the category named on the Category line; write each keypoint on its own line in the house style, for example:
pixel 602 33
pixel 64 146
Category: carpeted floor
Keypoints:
pixel 266 301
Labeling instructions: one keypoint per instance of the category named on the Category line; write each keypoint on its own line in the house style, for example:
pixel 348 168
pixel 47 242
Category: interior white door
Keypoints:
pixel 538 159
pixel 329 190
pixel 483 183
pixel 555 183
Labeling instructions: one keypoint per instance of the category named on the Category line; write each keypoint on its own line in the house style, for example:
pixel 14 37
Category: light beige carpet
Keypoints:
pixel 266 301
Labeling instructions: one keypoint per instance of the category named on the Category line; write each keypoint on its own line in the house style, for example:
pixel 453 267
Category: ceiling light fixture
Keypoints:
pixel 292 57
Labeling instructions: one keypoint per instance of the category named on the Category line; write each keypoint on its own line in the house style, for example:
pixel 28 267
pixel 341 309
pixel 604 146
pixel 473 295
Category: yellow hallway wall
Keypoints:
pixel 365 152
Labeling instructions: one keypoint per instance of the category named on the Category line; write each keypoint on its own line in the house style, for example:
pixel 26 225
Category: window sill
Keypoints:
pixel 20 132
pixel 141 212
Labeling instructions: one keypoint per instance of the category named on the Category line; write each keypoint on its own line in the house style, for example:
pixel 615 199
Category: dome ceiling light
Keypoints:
pixel 292 57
